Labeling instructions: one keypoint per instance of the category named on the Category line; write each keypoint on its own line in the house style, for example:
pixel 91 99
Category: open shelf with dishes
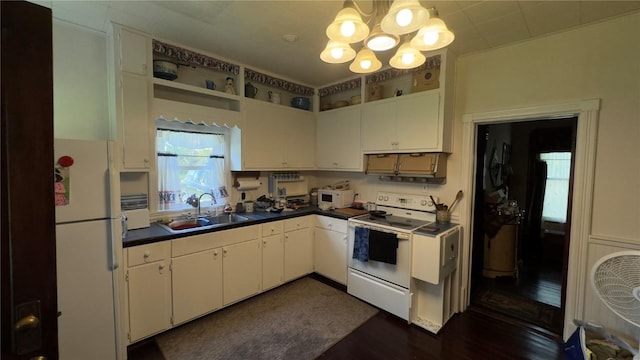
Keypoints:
pixel 187 76
pixel 392 82
pixel 263 87
pixel 340 95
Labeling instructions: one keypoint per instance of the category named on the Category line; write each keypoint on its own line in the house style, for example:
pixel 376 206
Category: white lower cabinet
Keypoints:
pixel 272 254
pixel 272 261
pixel 298 247
pixel 196 284
pixel 241 270
pixel 330 247
pixel 169 283
pixel 148 291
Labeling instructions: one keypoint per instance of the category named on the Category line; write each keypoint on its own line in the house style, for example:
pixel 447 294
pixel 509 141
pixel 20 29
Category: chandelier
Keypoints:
pixel 381 31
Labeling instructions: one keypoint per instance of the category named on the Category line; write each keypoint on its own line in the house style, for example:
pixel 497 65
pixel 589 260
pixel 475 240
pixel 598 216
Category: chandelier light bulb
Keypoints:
pixel 365 62
pixel 348 28
pixel 430 38
pixel 337 52
pixel 404 17
pixel 408 58
pixel 433 36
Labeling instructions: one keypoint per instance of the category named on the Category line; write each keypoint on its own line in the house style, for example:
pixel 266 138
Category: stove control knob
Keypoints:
pixel 386 198
pixel 380 197
pixel 423 203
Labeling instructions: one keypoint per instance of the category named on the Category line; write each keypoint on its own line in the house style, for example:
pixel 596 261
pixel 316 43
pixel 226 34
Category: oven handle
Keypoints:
pixel 399 235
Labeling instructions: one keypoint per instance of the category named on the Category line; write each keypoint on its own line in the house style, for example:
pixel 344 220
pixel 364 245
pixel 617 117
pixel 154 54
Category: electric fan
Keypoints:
pixel 616 280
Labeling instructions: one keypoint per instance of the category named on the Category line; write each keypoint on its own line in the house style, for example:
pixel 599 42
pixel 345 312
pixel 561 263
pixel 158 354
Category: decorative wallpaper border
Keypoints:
pixel 252 75
pixel 343 86
pixel 432 62
pixel 195 58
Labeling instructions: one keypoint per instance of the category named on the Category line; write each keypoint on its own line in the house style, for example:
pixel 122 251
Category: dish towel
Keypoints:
pixel 361 244
pixel 383 247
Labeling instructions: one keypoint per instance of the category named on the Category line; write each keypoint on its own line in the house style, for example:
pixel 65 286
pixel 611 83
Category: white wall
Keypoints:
pixel 80 91
pixel 597 61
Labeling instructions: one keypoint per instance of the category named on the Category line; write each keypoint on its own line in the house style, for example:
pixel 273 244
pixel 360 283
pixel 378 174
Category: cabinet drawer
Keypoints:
pixel 233 236
pixel 297 223
pixel 272 228
pixel 191 244
pixel 330 223
pixel 142 254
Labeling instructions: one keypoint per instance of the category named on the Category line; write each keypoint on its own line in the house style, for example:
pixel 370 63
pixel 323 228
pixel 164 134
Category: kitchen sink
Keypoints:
pixel 226 218
pixel 202 223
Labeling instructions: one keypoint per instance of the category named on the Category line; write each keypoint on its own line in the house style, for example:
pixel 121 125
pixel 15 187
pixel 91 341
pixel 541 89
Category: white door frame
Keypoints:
pixel 587 113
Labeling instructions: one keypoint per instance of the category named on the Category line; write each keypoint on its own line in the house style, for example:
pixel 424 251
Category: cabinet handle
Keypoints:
pixel 146 255
pixel 264 242
pixel 161 268
pixel 224 252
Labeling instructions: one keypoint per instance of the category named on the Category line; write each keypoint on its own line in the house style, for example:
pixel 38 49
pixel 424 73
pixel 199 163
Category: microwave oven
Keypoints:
pixel 336 198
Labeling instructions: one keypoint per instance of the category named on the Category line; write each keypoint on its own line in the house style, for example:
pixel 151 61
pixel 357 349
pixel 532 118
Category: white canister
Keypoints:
pixel 248 206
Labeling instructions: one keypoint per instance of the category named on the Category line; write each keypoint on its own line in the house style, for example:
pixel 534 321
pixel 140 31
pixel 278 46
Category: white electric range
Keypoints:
pixel 383 256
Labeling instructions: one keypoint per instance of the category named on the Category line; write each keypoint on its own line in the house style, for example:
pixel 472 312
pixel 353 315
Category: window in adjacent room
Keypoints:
pixel 556 194
pixel 191 161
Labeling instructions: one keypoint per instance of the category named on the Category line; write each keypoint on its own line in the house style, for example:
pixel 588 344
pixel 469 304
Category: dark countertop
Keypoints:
pixel 156 233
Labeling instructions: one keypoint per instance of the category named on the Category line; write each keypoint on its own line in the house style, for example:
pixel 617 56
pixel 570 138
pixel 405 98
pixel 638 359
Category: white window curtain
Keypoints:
pixel 190 163
pixel 556 194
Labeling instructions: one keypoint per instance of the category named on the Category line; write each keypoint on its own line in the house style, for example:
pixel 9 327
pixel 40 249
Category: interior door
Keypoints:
pixel 28 246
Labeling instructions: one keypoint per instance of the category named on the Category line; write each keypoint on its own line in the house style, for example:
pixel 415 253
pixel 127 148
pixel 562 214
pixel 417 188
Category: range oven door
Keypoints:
pixel 387 296
pixel 399 273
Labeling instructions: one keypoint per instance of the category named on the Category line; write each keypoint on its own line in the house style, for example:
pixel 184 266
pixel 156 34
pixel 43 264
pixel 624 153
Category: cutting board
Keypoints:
pixel 350 211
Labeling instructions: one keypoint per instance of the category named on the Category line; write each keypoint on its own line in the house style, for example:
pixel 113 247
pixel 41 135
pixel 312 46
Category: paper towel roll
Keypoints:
pixel 248 184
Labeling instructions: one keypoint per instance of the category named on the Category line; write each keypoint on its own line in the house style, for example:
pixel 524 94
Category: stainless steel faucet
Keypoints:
pixel 200 198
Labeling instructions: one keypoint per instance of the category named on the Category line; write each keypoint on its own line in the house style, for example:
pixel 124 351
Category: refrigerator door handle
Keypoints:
pixel 116 236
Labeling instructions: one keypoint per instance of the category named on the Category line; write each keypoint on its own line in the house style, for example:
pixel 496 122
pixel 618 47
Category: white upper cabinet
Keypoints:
pixel 132 56
pixel 410 111
pixel 406 123
pixel 338 140
pixel 276 137
pixel 134 51
pixel 134 124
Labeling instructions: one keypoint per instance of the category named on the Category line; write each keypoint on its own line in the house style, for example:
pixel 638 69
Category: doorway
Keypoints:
pixel 522 212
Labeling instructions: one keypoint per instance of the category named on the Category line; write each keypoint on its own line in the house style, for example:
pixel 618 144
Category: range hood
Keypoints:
pixel 409 167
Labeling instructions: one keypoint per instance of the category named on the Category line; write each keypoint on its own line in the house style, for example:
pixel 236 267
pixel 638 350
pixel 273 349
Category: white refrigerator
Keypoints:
pixel 88 249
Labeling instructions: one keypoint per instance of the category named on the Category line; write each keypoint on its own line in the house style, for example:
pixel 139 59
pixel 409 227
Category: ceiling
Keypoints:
pixel 251 32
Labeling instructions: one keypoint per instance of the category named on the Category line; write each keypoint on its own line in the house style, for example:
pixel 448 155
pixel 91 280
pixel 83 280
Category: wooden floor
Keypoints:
pixel 469 335
pixel 474 334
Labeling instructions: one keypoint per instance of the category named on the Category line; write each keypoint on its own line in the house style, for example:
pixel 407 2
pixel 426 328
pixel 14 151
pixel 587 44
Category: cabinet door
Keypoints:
pixel 149 289
pixel 261 136
pixel 196 284
pixel 338 139
pixel 298 142
pixel 272 261
pixel 378 131
pixel 298 253
pixel 134 121
pixel 331 254
pixel 418 126
pixel 241 270
pixel 134 52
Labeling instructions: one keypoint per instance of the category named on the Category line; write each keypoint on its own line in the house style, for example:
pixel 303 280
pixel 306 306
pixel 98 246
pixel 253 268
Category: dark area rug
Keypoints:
pixel 530 311
pixel 299 320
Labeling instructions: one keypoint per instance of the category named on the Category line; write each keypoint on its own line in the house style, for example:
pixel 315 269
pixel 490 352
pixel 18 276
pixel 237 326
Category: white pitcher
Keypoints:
pixel 274 97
